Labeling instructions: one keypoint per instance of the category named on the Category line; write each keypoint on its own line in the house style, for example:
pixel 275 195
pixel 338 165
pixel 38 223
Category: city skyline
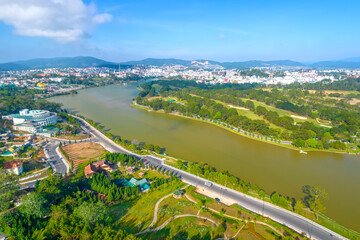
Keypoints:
pixel 230 31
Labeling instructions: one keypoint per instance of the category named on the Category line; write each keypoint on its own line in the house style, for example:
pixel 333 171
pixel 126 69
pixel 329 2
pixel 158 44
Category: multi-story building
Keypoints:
pixel 32 120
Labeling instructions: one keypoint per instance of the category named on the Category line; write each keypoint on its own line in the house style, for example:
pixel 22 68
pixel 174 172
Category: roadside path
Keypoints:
pixel 181 216
pixel 239 219
pixel 285 217
pixel 156 212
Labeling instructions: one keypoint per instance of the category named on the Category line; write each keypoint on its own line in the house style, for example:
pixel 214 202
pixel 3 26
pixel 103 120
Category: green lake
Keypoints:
pixel 271 167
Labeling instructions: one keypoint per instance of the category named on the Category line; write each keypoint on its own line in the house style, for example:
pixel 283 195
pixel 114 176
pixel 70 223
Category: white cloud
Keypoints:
pixel 63 20
pixel 101 18
pixel 222 36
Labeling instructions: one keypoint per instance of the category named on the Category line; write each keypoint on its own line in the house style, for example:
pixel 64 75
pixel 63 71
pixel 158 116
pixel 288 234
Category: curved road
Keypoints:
pixel 283 216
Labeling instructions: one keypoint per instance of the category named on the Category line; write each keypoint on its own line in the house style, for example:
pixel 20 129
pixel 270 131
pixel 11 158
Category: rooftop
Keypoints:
pixel 12 164
pixel 134 181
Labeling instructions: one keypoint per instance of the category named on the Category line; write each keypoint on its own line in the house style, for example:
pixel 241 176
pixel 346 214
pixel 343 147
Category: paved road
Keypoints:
pixel 56 162
pixel 285 217
pixel 53 158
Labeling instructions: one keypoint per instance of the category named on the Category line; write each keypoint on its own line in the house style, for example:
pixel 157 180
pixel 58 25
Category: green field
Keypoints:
pixel 282 112
pixel 135 215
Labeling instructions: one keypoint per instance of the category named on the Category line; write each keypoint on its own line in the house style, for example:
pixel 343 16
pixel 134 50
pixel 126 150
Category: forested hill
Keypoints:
pixel 87 61
pixel 60 62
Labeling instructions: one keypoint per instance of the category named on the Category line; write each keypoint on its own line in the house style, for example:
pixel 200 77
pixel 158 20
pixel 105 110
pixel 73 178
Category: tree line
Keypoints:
pixel 206 108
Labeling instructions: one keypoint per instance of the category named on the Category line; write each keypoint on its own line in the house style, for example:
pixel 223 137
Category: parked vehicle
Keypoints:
pixel 208 184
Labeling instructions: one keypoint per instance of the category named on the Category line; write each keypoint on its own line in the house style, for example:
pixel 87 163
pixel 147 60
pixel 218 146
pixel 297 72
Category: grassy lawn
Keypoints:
pixel 170 207
pixel 249 114
pixel 136 215
pixel 156 86
pixel 140 107
pixel 282 112
pixel 258 231
pixel 31 167
pixel 43 174
pixel 7 158
pixel 183 228
pixel 266 232
pixel 332 225
pixel 149 174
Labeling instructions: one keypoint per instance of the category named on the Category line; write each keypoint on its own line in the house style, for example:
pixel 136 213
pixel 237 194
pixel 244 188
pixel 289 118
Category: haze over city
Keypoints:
pixel 304 31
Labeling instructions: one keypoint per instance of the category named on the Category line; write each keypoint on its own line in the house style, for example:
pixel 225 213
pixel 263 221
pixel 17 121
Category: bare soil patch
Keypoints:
pixel 354 102
pixel 71 137
pixel 298 117
pixel 241 108
pixel 82 152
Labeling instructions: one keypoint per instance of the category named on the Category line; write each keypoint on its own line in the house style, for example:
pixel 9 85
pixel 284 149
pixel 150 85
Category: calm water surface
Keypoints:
pixel 271 167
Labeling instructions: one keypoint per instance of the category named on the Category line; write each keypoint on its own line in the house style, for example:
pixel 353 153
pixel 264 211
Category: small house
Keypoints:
pixel 142 184
pixel 97 167
pixel 15 167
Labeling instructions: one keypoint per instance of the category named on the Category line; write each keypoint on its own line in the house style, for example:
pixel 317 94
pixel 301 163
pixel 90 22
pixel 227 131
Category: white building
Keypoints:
pixel 38 117
pixel 33 120
pixel 15 167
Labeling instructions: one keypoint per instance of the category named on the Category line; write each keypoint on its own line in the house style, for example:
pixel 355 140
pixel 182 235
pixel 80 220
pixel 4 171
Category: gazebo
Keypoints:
pixel 177 194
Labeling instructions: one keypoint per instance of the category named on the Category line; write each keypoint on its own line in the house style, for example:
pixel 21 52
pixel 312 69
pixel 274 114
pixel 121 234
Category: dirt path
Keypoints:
pixel 181 216
pixel 156 213
pixel 239 219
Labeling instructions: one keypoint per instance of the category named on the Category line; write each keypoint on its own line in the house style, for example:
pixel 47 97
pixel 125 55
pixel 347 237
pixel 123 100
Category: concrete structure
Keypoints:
pixel 38 117
pixel 27 127
pixel 15 167
pixel 32 120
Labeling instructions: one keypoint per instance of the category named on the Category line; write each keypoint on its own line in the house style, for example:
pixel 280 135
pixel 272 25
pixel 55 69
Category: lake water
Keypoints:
pixel 271 167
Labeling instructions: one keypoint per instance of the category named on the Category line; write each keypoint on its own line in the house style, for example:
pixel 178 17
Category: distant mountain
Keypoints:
pixel 158 62
pixel 59 62
pixel 346 63
pixel 246 64
pixel 83 62
pixel 12 67
pixel 336 64
pixel 255 63
pixel 354 59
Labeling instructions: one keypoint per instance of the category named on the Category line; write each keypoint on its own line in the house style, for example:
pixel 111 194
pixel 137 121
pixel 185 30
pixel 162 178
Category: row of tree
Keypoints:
pixel 102 184
pixel 207 108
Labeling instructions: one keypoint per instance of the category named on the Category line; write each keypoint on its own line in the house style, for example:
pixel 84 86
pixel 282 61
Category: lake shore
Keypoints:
pixel 145 108
pixel 274 169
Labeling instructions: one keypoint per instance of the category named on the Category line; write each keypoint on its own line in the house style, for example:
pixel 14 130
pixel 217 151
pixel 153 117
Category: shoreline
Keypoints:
pixel 169 159
pixel 145 108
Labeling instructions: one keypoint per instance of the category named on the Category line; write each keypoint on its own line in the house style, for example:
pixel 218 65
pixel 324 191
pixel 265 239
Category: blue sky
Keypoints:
pixel 119 30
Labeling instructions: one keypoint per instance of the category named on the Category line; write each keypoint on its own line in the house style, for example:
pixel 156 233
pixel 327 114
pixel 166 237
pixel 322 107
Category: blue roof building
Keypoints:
pixel 142 184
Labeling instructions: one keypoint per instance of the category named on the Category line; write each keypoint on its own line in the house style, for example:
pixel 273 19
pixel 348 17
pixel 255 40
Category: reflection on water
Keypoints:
pixel 271 167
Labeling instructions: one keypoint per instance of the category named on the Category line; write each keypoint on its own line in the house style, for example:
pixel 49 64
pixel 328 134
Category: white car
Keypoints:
pixel 208 184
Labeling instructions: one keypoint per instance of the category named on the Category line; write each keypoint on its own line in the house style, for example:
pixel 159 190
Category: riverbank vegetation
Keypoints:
pixel 133 145
pixel 76 207
pixel 291 116
pixel 312 206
